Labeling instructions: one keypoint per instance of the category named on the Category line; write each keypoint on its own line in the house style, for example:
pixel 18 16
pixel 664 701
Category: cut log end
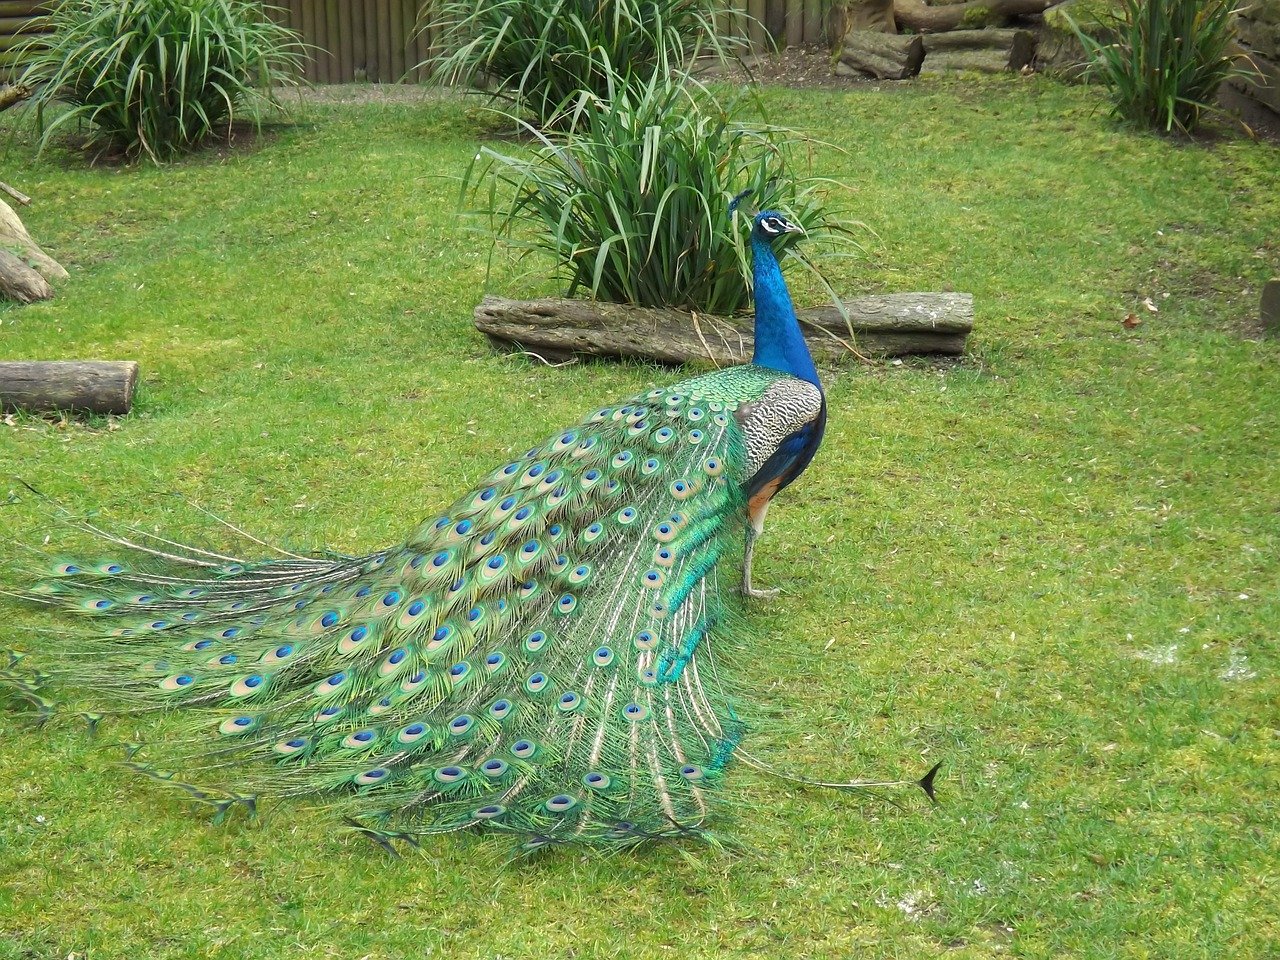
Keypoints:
pixel 554 329
pixel 76 386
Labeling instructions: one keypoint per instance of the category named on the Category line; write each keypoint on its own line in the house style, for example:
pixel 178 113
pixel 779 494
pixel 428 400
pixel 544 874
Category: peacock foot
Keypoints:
pixel 757 593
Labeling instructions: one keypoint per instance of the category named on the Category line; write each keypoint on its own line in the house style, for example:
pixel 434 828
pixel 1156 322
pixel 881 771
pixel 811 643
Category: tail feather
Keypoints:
pixel 520 662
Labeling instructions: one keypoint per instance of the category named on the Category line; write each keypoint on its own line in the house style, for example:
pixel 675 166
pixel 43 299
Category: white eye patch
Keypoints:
pixel 774 226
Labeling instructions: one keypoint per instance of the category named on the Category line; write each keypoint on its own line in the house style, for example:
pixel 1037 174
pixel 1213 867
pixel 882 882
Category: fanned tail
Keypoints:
pixel 528 661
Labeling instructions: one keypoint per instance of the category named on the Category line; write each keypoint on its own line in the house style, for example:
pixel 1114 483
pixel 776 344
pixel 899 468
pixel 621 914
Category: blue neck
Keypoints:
pixel 779 343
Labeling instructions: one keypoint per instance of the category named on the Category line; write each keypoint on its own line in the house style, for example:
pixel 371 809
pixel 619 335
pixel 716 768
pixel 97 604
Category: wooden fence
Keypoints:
pixel 17 23
pixel 382 41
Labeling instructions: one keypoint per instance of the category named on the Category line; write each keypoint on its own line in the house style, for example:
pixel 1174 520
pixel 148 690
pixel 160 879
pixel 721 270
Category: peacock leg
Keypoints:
pixel 754 529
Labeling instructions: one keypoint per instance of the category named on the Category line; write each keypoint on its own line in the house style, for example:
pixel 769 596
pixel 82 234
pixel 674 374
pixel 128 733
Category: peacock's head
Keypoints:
pixel 770 224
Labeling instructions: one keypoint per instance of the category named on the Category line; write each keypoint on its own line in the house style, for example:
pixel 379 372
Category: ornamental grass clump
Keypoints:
pixel 156 77
pixel 540 54
pixel 1163 60
pixel 632 200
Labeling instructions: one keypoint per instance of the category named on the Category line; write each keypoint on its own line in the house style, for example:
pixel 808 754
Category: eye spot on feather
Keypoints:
pixel 560 803
pixel 391 598
pixel 691 772
pixel 653 579
pixel 235 726
pixel 566 604
pixel 412 733
pixel 370 777
pixel 461 724
pixel 490 811
pixel 569 701
pixel 329 619
pixel 696 436
pixel 536 683
pixel 360 739
pixel 603 657
pixel 713 467
pixel 596 781
pixel 645 640
pixel 650 466
pixel 535 641
pixel 682 489
pixel 579 573
pixel 177 682
pixel 523 749
pixel 627 515
pixel 449 774
pixel 663 435
pixel 500 709
pixel 663 557
pixel 277 654
pixel 493 768
pixel 413 682
pixel 288 748
pixel 592 533
pixel 352 640
pixel 635 712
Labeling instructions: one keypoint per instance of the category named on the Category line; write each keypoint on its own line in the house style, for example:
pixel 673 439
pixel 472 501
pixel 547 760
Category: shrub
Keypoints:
pixel 1164 59
pixel 632 200
pixel 540 54
pixel 156 77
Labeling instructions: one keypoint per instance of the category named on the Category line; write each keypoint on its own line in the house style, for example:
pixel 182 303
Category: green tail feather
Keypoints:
pixel 538 660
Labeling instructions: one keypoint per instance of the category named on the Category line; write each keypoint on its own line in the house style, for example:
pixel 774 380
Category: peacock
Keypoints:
pixel 546 658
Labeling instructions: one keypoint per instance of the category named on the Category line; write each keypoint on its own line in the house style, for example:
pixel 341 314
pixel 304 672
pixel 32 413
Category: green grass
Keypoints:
pixel 987 565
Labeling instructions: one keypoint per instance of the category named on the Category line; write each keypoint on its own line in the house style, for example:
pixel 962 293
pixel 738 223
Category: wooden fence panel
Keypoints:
pixel 380 40
pixel 19 22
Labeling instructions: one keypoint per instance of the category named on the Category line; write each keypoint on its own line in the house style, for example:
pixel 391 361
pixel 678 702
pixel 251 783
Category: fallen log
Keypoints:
pixel 14 236
pixel 87 386
pixel 885 56
pixel 982 51
pixel 918 16
pixel 556 328
pixel 19 282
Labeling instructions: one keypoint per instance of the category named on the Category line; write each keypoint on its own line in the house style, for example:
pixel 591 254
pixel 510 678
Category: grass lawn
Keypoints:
pixel 1054 566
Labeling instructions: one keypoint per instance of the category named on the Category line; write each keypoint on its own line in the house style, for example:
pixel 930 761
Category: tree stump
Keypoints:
pixel 556 328
pixel 89 386
pixel 885 56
